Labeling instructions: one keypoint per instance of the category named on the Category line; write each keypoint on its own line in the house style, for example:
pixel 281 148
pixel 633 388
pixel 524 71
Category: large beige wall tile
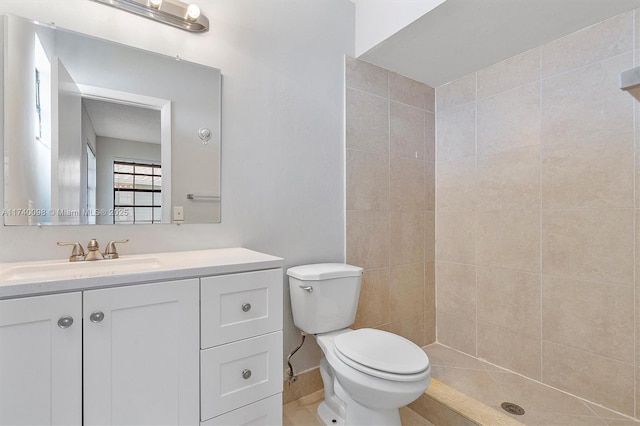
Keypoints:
pixel 430 99
pixel 637 255
pixel 367 122
pixel 514 72
pixel 586 101
pixel 509 239
pixel 594 317
pixel 407 237
pixel 509 120
pixel 509 299
pixel 407 302
pixel 595 171
pixel 429 136
pixel 509 180
pixel 456 289
pixel 638 393
pixel 367 77
pixel 593 377
pixel 408 91
pixel 595 43
pixel 516 351
pixel 407 131
pixel 637 160
pixel 457 332
pixel 430 185
pixel 407 184
pixel 429 303
pixel 367 180
pixel 368 239
pixel 594 245
pixel 429 236
pixel 457 184
pixel 373 305
pixel 456 133
pixel 637 40
pixel 456 93
pixel 456 237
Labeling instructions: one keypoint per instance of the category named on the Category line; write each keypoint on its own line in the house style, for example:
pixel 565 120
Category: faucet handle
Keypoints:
pixel 111 252
pixel 77 253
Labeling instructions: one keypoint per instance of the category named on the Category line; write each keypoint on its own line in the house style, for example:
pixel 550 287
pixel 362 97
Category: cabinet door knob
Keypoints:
pixel 96 317
pixel 246 307
pixel 246 373
pixel 65 322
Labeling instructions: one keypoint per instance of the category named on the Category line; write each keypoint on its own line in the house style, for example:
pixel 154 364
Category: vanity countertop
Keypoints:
pixel 41 277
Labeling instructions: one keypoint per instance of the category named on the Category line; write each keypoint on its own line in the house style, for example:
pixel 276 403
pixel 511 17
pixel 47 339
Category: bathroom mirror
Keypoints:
pixel 97 132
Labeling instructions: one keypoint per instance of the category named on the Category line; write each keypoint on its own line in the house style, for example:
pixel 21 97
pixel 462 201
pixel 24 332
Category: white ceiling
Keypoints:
pixel 127 122
pixel 462 36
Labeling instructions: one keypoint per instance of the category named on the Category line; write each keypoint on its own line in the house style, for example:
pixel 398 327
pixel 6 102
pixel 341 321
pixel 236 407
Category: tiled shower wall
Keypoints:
pixel 537 221
pixel 390 164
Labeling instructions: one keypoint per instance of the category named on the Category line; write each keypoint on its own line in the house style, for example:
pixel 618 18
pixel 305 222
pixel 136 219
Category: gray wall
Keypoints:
pixel 282 129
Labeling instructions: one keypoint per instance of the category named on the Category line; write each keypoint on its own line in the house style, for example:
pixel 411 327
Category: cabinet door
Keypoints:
pixel 141 354
pixel 41 360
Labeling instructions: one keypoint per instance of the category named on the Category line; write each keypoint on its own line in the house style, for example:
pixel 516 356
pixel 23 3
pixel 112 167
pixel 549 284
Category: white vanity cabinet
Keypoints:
pixel 41 360
pixel 241 358
pixel 201 346
pixel 141 354
pixel 135 348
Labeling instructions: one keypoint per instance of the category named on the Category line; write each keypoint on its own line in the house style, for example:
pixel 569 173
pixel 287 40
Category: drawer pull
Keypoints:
pixel 246 307
pixel 246 373
pixel 96 317
pixel 65 322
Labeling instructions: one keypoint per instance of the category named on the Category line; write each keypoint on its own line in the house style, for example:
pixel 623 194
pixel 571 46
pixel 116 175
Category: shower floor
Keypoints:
pixel 493 385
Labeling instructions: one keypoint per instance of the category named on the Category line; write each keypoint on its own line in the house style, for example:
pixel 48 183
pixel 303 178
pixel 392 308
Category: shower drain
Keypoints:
pixel 512 408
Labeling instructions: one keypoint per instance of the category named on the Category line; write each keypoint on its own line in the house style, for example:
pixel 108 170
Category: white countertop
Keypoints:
pixel 32 278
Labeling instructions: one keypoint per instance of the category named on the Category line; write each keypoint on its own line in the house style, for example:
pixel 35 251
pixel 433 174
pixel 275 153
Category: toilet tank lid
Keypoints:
pixel 324 271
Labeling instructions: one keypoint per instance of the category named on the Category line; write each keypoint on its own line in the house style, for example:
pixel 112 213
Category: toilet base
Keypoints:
pixel 328 417
pixel 338 408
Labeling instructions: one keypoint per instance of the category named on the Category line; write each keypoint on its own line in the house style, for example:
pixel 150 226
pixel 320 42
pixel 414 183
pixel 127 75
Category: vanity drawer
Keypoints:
pixel 267 412
pixel 239 373
pixel 237 306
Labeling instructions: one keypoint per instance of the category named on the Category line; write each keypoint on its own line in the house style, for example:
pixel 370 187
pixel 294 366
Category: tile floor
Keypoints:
pixel 489 384
pixel 303 413
pixel 493 385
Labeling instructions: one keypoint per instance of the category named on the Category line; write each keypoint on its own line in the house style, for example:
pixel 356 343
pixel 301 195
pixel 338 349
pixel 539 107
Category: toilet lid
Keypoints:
pixel 382 351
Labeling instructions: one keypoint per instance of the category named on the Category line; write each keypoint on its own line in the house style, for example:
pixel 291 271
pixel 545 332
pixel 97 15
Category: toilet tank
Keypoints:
pixel 324 296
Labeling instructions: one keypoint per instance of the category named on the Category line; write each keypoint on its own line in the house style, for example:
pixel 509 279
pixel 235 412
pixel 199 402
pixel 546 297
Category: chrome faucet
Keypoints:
pixel 78 254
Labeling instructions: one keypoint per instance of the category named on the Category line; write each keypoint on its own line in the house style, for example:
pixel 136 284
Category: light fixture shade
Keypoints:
pixel 171 12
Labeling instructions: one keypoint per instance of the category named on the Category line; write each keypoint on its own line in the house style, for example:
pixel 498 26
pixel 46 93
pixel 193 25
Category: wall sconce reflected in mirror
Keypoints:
pixel 171 12
pixel 204 134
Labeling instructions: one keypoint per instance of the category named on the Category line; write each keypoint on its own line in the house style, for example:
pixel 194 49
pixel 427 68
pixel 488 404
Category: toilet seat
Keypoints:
pixel 382 354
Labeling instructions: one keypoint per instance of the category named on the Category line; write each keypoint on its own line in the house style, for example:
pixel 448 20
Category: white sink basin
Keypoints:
pixel 61 270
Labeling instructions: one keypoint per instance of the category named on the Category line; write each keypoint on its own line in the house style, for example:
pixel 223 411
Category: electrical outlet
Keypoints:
pixel 178 214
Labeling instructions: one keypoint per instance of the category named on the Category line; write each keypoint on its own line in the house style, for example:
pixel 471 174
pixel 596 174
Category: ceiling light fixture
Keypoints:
pixel 171 12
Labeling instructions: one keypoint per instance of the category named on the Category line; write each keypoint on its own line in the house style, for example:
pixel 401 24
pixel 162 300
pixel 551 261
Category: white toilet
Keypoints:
pixel 367 374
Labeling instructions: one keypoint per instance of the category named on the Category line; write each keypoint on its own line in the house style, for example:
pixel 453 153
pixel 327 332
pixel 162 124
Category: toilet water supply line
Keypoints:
pixel 291 376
